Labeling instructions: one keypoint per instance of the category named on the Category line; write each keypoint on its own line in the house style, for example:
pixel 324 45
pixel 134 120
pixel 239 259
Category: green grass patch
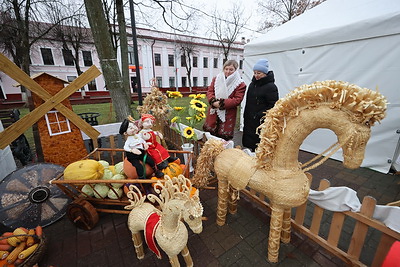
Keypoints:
pixel 107 114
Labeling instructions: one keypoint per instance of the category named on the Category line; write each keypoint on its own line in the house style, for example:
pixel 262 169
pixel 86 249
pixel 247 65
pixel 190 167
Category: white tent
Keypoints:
pixel 356 41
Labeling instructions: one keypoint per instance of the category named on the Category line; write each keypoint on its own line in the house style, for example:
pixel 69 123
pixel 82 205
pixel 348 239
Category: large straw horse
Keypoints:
pixel 346 109
pixel 176 202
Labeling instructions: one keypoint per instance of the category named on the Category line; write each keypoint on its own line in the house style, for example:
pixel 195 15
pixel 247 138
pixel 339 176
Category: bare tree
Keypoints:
pixel 21 27
pixel 280 11
pixel 227 27
pixel 72 32
pixel 187 49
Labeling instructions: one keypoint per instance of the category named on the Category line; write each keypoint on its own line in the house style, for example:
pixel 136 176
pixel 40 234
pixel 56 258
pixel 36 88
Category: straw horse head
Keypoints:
pixel 346 109
pixel 175 202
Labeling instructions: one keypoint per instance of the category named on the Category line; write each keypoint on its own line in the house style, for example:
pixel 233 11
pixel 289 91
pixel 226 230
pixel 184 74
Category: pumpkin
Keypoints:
pixel 130 171
pixel 185 170
pixel 177 161
pixel 173 170
pixel 87 169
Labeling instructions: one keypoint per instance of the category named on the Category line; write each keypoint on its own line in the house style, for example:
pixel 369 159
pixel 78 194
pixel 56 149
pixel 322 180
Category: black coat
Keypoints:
pixel 261 96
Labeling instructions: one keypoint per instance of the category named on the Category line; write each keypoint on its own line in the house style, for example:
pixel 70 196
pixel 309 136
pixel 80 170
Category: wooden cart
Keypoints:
pixel 83 211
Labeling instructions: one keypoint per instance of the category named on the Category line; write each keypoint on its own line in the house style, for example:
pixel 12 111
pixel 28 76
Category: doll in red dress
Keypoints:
pixel 155 150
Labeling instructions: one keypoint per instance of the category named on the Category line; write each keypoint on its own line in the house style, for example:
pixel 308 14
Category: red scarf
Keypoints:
pixel 152 222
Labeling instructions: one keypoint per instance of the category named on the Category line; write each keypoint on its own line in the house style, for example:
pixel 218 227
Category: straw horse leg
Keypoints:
pixel 186 256
pixel 232 201
pixel 174 261
pixel 138 244
pixel 275 233
pixel 285 235
pixel 222 206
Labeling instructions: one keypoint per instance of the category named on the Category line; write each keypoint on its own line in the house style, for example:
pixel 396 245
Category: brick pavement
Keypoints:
pixel 241 242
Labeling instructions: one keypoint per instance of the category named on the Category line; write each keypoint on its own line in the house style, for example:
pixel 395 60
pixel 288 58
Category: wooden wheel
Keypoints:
pixel 83 214
pixel 28 198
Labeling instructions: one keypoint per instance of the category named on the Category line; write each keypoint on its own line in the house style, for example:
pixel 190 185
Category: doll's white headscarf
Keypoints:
pixel 223 88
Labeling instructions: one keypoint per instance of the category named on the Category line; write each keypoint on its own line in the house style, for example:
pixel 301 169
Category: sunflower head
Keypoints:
pixel 175 119
pixel 188 132
pixel 198 105
pixel 174 94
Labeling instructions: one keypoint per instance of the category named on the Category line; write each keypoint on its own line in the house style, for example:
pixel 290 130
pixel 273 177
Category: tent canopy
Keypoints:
pixel 332 22
pixel 354 41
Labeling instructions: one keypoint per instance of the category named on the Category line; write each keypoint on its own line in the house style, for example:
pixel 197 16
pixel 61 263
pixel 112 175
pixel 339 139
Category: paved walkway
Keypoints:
pixel 241 242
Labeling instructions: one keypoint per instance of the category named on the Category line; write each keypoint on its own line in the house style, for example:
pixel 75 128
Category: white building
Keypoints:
pixel 159 56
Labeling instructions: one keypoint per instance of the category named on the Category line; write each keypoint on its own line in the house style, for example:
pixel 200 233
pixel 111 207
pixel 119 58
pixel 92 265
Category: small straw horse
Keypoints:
pixel 346 109
pixel 175 201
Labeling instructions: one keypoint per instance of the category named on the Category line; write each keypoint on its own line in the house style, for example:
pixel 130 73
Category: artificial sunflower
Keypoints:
pixel 174 94
pixel 197 96
pixel 188 132
pixel 198 105
pixel 175 119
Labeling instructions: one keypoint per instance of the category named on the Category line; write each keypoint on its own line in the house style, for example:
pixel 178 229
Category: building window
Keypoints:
pixel 159 82
pixel 205 62
pixel 47 56
pixel 183 61
pixel 195 62
pixel 92 85
pixel 205 81
pixel 87 58
pixel 195 81
pixel 134 84
pixel 68 58
pixel 184 81
pixel 71 78
pixel 57 123
pixel 171 60
pixel 171 82
pixel 241 64
pixel 157 59
pixel 215 63
pixel 131 58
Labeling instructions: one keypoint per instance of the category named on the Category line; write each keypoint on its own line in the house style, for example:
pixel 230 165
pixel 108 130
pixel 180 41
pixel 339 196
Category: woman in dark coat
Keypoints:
pixel 225 94
pixel 261 96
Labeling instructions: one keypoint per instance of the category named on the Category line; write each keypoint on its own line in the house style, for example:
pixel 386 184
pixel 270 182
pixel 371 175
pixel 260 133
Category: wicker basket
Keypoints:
pixel 37 255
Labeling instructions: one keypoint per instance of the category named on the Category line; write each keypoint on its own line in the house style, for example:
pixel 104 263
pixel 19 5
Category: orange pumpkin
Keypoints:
pixel 173 170
pixel 185 170
pixel 130 171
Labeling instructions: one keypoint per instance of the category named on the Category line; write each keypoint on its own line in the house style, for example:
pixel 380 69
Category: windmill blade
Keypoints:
pixel 18 128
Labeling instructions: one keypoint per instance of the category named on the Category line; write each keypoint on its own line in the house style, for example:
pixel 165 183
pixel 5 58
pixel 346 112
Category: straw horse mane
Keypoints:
pixel 363 105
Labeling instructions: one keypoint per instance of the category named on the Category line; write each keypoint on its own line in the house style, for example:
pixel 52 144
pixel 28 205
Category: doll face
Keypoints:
pixel 147 123
pixel 132 129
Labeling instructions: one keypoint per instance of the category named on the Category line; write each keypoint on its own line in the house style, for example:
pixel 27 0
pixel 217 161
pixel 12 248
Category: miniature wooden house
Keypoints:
pixel 61 140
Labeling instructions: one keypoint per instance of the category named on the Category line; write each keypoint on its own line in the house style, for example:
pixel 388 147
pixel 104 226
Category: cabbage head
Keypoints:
pixel 88 190
pixel 119 168
pixel 118 177
pixel 107 174
pixel 104 163
pixel 112 195
pixel 102 190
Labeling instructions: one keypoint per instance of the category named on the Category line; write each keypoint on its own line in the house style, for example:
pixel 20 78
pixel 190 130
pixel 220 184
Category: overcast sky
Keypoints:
pixel 207 7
